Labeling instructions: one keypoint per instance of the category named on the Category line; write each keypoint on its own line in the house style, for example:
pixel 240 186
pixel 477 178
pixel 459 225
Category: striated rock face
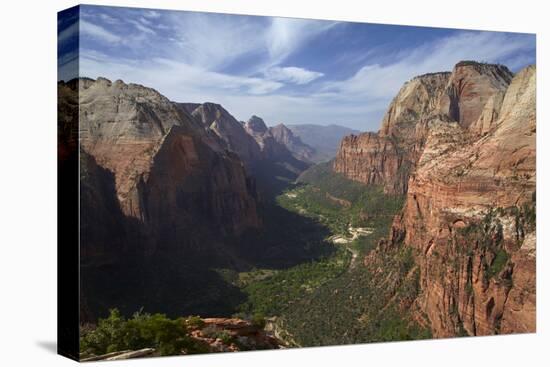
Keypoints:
pixel 469 213
pixel 285 136
pixel 166 166
pixel 459 96
pixel 228 129
pixel 470 86
pixel 416 100
pixel 374 160
pixel 386 158
pixel 461 147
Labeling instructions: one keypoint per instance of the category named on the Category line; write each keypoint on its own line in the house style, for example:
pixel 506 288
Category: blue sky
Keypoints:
pixel 282 69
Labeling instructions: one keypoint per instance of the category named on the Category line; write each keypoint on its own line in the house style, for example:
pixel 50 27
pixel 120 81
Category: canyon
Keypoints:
pixel 424 228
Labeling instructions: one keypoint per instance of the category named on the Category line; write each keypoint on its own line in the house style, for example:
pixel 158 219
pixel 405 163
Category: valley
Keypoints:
pixel 311 301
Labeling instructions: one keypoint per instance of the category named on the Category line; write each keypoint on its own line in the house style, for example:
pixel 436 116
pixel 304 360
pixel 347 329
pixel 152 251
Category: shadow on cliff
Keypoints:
pixel 285 240
pixel 126 267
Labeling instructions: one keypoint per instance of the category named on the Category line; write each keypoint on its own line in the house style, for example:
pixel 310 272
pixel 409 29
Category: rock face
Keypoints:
pixel 216 119
pixel 461 147
pixel 285 136
pixel 274 151
pixel 386 158
pixel 165 191
pixel 166 166
pixel 459 96
pixel 156 187
pixel 470 215
pixel 253 141
pixel 471 85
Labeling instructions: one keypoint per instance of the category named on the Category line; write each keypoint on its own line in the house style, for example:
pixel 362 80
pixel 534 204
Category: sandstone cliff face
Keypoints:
pixel 459 96
pixel 386 158
pixel 297 147
pixel 374 160
pixel 461 146
pixel 166 166
pixel 470 86
pixel 469 214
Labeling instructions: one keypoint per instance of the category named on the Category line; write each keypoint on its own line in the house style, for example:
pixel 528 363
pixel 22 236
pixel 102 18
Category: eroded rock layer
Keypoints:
pixel 170 172
pixel 461 147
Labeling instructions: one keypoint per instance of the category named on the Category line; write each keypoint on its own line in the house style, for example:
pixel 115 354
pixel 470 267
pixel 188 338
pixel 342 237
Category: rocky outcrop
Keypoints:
pixel 460 96
pixel 158 190
pixel 461 147
pixel 273 151
pixel 166 166
pixel 416 100
pixel 374 160
pixel 212 335
pixel 469 214
pixel 217 120
pixel 252 142
pixel 297 147
pixel 255 126
pixel 470 86
pixel 386 158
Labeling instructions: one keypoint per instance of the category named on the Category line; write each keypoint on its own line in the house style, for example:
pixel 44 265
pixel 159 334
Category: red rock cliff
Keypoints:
pixel 170 173
pixel 461 147
pixel 469 214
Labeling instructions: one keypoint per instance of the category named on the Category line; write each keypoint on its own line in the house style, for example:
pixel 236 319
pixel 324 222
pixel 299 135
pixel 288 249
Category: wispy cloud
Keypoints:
pixel 269 66
pixel 292 74
pixel 383 81
pixel 141 27
pixel 98 32
pixel 286 35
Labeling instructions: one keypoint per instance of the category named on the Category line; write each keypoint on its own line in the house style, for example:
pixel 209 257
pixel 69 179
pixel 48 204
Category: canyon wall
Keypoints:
pixel 461 147
pixel 170 173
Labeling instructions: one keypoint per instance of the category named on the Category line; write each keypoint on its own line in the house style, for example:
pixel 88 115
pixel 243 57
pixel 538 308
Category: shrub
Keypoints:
pixel 115 333
pixel 500 260
pixel 194 322
pixel 258 320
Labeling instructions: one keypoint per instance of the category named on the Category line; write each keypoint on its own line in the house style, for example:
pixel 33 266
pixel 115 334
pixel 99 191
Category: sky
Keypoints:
pixel 285 70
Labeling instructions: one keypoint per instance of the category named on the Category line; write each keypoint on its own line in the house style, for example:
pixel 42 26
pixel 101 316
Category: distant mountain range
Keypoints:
pixel 325 140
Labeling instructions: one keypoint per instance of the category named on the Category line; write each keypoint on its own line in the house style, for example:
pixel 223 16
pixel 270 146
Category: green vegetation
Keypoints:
pixel 486 236
pixel 272 295
pixel 115 333
pixel 338 203
pixel 500 260
pixel 328 300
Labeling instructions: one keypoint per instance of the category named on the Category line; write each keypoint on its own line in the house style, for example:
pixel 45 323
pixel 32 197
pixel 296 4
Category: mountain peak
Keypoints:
pixel 256 125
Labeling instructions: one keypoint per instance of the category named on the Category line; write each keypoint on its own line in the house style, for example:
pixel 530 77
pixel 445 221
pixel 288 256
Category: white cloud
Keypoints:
pixel 97 32
pixel 213 40
pixel 202 47
pixel 292 74
pixel 383 81
pixel 177 78
pixel 152 14
pixel 285 35
pixel 67 33
pixel 140 27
